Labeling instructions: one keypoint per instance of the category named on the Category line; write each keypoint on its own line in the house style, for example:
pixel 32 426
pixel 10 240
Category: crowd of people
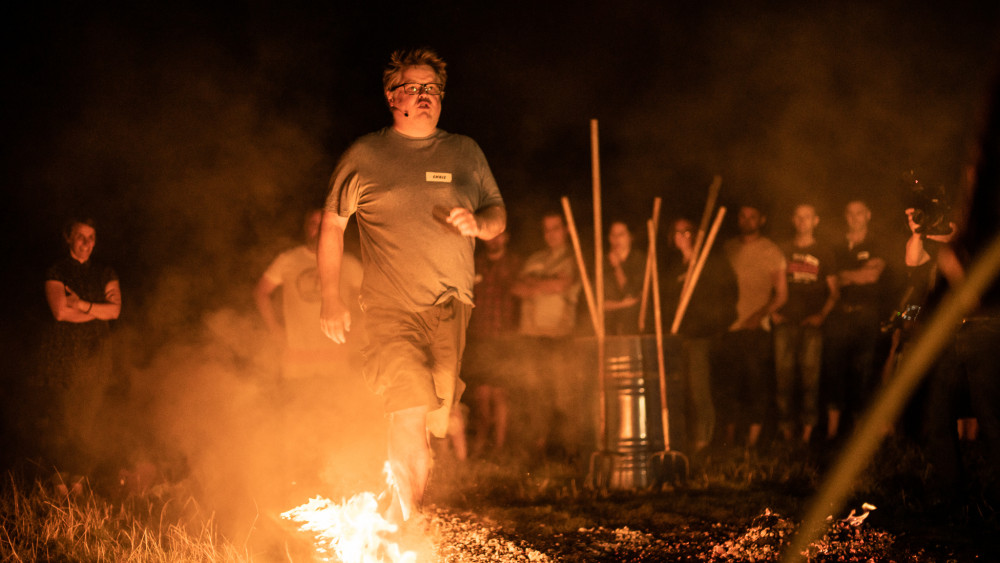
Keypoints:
pixel 778 340
pixel 782 344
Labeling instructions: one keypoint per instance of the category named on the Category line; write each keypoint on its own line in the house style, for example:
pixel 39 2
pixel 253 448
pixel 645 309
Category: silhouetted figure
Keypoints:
pixel 709 313
pixel 317 375
pixel 748 379
pixel 973 357
pixel 492 357
pixel 549 286
pixel 798 334
pixel 624 271
pixel 853 328
pixel 83 296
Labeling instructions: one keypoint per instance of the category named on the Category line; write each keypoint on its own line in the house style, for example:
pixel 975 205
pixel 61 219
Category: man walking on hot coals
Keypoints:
pixel 798 336
pixel 421 197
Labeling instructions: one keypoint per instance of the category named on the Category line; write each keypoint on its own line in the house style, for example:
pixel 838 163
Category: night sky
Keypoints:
pixel 197 136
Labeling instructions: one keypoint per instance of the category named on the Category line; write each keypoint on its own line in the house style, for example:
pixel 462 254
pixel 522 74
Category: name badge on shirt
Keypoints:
pixel 439 177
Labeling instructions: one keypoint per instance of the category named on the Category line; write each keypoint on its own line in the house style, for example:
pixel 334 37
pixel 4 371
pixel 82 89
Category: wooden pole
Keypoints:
pixel 588 292
pixel 689 284
pixel 658 320
pixel 595 169
pixel 706 216
pixel 650 263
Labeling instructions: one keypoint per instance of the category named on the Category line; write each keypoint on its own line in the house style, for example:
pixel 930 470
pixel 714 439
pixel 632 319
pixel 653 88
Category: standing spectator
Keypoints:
pixel 748 380
pixel 549 287
pixel 975 346
pixel 422 196
pixel 317 376
pixel 710 312
pixel 307 352
pixel 798 336
pixel 84 296
pixel 853 327
pixel 623 275
pixel 488 367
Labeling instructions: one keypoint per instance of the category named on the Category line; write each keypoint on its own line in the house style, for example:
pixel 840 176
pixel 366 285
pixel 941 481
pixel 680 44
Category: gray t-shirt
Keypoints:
pixel 402 189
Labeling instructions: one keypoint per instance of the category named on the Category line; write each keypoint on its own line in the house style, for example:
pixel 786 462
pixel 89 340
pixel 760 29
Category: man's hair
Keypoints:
pixel 858 200
pixel 403 59
pixel 67 230
pixel 553 213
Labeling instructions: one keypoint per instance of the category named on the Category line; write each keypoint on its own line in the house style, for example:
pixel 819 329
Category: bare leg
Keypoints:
pixel 500 416
pixel 484 419
pixel 833 423
pixel 754 434
pixel 456 432
pixel 409 458
pixel 968 429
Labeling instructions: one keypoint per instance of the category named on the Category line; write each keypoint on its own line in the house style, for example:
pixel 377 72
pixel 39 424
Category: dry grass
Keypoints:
pixel 39 523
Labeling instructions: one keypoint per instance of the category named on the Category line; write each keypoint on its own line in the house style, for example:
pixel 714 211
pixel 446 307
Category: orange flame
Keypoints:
pixel 354 530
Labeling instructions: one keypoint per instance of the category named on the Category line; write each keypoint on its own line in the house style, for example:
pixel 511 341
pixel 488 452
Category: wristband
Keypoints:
pixel 87 312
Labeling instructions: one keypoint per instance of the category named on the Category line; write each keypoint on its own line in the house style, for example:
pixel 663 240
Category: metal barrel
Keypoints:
pixel 633 409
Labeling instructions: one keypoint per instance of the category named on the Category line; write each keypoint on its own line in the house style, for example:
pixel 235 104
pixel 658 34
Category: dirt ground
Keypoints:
pixel 727 512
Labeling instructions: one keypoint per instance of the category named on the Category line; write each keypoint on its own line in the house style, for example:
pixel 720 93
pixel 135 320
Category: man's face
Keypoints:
pixel 749 221
pixel 81 242
pixel 554 231
pixel 805 219
pixel 857 215
pixel 422 107
pixel 619 237
pixel 683 235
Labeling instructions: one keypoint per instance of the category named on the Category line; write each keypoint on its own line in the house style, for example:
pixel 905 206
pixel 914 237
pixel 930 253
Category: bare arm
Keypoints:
pixel 816 319
pixel 334 317
pixel 486 223
pixel 262 298
pixel 67 306
pixel 951 267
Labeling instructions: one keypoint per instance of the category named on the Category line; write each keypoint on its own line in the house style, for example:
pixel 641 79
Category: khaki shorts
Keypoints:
pixel 413 359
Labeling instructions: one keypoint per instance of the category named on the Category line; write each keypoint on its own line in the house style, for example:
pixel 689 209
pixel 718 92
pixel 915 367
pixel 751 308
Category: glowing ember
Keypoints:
pixel 354 530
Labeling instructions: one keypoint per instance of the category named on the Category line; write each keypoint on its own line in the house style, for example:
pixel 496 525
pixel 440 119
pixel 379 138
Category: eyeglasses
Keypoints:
pixel 413 89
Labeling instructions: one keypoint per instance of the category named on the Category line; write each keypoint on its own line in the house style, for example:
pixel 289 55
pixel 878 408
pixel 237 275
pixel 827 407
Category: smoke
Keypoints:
pixel 199 141
pixel 199 169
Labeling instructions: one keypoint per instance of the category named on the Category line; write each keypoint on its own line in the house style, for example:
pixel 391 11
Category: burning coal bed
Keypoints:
pixel 353 532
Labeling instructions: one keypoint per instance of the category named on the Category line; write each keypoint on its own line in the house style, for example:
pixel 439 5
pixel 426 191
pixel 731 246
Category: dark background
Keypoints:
pixel 198 135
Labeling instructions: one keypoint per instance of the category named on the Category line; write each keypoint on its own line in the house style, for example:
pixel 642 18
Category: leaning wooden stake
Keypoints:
pixel 658 325
pixel 650 262
pixel 689 284
pixel 706 216
pixel 595 168
pixel 588 292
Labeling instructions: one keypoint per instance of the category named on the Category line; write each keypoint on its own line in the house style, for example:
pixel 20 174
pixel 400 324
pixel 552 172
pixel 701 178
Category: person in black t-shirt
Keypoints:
pixel 84 296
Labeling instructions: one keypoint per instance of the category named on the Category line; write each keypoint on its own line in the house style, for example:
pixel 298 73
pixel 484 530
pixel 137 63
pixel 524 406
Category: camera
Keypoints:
pixel 903 318
pixel 930 206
